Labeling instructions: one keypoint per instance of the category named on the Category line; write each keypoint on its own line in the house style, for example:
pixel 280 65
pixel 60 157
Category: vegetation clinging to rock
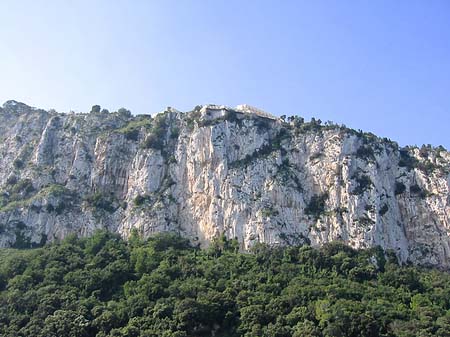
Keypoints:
pixel 399 187
pixel 363 183
pixel 316 206
pixel 102 201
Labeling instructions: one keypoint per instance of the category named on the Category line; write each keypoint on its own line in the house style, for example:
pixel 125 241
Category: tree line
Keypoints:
pixel 104 286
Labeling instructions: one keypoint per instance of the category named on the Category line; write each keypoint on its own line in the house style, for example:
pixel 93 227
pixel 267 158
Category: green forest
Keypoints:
pixel 164 286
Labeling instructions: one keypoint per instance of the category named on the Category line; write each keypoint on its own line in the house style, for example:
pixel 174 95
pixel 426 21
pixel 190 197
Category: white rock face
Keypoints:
pixel 213 171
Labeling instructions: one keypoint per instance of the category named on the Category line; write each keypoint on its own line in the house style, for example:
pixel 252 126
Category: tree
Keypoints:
pixel 96 109
pixel 162 286
pixel 306 328
pixel 65 323
pixel 124 112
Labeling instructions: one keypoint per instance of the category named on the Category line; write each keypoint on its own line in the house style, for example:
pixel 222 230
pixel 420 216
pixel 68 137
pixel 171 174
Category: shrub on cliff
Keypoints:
pixel 96 109
pixel 102 201
pixel 316 206
pixel 399 187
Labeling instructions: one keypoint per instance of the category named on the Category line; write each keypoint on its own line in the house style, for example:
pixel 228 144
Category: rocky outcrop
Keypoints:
pixel 217 170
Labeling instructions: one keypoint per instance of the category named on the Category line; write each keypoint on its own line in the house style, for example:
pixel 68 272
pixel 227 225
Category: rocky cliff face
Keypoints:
pixel 216 170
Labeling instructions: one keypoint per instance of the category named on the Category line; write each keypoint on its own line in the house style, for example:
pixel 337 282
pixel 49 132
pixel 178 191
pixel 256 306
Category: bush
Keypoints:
pixel 265 150
pixel 23 187
pixel 155 140
pixel 140 200
pixel 18 164
pixel 96 109
pixel 131 131
pixel 418 191
pixel 427 167
pixel 152 141
pixel 124 112
pixel 174 132
pixel 58 209
pixel 399 188
pixel 160 124
pixel 406 160
pixel 383 210
pixel 365 152
pixel 12 180
pixel 132 134
pixel 269 212
pixel 102 201
pixel 363 183
pixel 316 206
pixel 425 151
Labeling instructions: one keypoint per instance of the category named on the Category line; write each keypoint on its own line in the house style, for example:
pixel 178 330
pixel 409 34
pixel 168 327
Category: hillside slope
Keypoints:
pixel 217 170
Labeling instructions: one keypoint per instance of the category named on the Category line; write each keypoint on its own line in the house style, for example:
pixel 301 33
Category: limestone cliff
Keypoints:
pixel 218 170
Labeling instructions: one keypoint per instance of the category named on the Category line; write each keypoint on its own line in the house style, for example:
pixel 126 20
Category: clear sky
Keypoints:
pixel 380 66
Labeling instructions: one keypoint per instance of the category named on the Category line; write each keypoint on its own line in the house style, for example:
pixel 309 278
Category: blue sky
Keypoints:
pixel 380 66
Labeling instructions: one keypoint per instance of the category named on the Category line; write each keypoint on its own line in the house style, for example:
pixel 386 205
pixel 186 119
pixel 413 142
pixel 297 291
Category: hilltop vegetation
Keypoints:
pixel 103 286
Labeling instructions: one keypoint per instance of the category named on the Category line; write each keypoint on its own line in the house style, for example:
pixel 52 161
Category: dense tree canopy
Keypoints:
pixel 103 286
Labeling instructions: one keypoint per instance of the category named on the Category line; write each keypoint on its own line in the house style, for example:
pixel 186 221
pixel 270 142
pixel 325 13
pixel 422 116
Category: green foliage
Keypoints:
pixel 265 150
pixel 416 190
pixel 383 210
pixel 23 187
pixel 140 200
pixel 406 160
pixel 296 121
pixel 313 126
pixel 427 167
pixel 163 286
pixel 18 194
pixel 399 187
pixel 132 129
pixel 155 140
pixel 124 112
pixel 96 109
pixel 269 212
pixel 132 134
pixel 366 152
pixel 102 201
pixel 363 183
pixel 21 241
pixel 12 180
pixel 193 117
pixel 316 206
pixel 23 194
pixel 427 164
pixel 174 132
pixel 288 177
pixel 18 163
